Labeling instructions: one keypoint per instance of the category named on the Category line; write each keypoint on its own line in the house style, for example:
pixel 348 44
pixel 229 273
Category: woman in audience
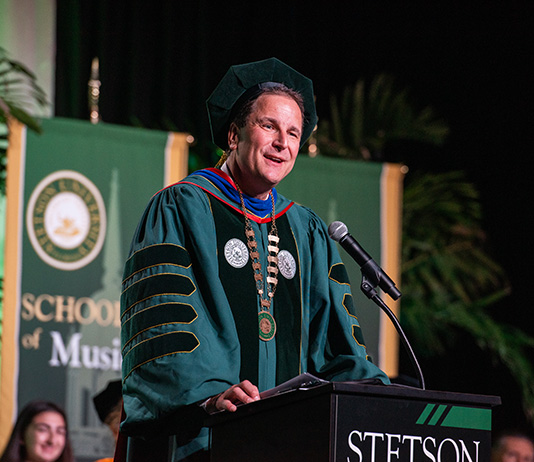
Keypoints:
pixel 39 435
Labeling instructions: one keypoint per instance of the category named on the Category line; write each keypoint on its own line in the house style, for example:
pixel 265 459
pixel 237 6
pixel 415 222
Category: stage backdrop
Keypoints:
pixel 74 197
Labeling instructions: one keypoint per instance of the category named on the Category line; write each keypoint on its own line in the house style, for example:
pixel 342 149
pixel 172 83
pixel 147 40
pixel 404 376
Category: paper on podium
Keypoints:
pixel 300 382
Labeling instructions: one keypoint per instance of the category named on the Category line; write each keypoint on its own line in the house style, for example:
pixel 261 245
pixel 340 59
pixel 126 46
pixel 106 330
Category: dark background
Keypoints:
pixel 160 60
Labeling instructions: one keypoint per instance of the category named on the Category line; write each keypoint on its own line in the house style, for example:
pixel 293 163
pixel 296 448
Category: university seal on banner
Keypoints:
pixel 66 220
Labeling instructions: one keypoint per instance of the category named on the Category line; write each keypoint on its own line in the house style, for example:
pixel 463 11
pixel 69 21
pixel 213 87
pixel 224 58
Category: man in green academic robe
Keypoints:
pixel 231 289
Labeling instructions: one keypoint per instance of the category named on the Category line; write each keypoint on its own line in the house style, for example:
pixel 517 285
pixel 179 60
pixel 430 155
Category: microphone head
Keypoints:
pixel 337 230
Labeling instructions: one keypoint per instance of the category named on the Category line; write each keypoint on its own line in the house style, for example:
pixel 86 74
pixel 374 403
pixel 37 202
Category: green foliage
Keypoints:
pixel 443 239
pixel 449 281
pixel 19 92
pixel 19 95
pixel 363 121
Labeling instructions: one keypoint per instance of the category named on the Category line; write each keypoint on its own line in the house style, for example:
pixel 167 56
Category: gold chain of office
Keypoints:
pixel 266 322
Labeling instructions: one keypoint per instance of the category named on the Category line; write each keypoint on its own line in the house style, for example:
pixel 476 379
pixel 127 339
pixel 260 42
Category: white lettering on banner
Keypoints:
pixel 77 355
pixel 59 308
pixel 397 445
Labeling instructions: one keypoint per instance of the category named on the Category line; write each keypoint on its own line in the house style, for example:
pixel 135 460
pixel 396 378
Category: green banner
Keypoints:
pixel 82 189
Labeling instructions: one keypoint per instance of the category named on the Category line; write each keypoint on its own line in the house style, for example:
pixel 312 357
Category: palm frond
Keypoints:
pixel 20 95
pixel 19 91
pixel 364 120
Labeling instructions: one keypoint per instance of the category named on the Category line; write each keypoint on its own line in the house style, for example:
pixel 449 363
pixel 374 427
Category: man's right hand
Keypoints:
pixel 242 393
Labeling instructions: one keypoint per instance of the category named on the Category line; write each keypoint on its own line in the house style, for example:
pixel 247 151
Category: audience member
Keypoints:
pixel 108 405
pixel 40 434
pixel 512 446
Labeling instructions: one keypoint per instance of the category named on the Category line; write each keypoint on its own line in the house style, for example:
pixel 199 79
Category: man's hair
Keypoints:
pixel 279 89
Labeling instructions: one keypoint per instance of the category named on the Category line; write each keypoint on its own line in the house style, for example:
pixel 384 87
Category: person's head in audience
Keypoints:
pixel 40 434
pixel 108 405
pixel 513 446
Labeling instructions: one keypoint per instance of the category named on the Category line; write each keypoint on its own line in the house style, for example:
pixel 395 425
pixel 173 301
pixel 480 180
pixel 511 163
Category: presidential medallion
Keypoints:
pixel 287 264
pixel 267 326
pixel 236 253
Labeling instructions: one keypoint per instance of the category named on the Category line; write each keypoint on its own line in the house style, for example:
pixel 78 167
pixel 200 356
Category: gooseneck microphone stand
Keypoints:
pixel 372 277
pixel 370 292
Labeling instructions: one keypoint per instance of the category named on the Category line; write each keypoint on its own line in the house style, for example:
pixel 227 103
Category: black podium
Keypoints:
pixel 357 422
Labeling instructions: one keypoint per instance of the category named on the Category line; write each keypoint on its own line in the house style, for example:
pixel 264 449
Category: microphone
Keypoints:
pixel 370 269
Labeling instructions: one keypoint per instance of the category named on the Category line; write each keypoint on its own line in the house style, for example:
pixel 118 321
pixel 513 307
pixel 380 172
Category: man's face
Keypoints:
pixel 267 146
pixel 515 450
pixel 45 437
